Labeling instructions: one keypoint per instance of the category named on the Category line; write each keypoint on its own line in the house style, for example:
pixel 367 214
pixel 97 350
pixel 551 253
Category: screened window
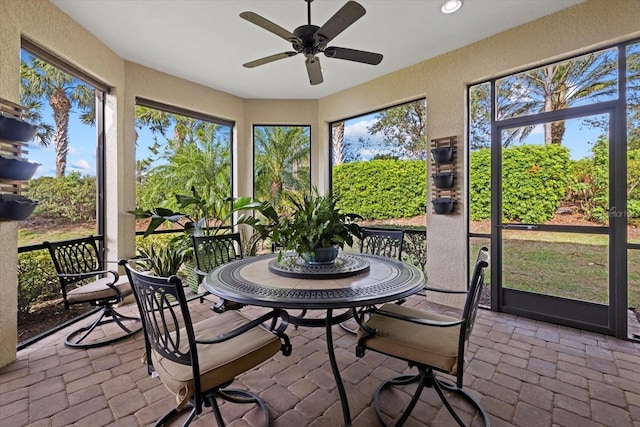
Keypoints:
pixel 281 163
pixel 378 165
pixel 67 106
pixel 180 152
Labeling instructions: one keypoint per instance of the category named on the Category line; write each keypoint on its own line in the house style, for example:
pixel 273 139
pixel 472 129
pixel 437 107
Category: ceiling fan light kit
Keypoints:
pixel 310 40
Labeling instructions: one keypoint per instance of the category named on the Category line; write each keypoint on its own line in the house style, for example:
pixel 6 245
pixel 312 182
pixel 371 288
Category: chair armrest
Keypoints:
pixel 275 327
pixel 445 291
pixel 115 274
pixel 199 272
pixel 417 320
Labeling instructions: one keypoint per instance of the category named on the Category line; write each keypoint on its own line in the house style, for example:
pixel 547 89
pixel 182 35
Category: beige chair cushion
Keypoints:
pixel 429 345
pixel 98 290
pixel 221 362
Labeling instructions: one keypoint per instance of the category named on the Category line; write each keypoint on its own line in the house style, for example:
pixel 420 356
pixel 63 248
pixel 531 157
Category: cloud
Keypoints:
pixel 358 129
pixel 81 165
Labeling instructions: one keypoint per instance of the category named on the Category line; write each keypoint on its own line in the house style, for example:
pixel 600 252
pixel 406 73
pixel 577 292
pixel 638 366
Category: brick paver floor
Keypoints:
pixel 525 373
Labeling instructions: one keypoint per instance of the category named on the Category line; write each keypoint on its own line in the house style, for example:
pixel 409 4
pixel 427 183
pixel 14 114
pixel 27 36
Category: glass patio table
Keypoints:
pixel 355 280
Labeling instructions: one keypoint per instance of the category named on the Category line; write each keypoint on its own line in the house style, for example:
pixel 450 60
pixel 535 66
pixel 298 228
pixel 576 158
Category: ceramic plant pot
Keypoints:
pixel 442 155
pixel 443 205
pixel 322 256
pixel 443 179
pixel 17 169
pixel 14 207
pixel 13 129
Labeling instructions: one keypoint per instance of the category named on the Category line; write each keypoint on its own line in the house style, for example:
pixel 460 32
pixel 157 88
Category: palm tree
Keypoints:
pixel 281 162
pixel 204 164
pixel 556 87
pixel 42 81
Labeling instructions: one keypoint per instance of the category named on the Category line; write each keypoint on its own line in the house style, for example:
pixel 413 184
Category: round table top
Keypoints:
pixel 250 281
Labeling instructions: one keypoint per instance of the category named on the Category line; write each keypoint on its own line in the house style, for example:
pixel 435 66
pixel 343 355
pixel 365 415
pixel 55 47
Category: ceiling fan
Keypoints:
pixel 310 40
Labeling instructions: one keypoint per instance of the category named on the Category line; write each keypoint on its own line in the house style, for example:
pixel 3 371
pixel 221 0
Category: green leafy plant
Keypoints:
pixel 163 261
pixel 316 222
pixel 206 220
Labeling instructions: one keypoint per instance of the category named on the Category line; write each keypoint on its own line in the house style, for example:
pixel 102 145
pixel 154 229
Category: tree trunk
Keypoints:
pixel 337 139
pixel 61 106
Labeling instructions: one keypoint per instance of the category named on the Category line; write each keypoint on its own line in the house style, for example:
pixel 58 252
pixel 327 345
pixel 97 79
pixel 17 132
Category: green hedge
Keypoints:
pixel 535 181
pixel 382 189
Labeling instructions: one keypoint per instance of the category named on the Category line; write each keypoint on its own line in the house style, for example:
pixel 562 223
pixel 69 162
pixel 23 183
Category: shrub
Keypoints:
pixel 72 197
pixel 534 183
pixel 37 280
pixel 382 189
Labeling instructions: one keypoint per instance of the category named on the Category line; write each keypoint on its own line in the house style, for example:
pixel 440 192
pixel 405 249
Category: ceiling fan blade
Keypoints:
pixel 347 15
pixel 314 70
pixel 268 59
pixel 269 26
pixel 353 55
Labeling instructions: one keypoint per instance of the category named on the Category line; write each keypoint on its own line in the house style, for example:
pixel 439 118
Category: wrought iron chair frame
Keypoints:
pixel 387 243
pixel 212 251
pixel 77 261
pixel 427 375
pixel 164 295
pixel 377 241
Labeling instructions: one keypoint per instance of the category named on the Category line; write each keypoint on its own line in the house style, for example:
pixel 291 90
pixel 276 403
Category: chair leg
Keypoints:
pixel 421 378
pixel 107 315
pixel 440 383
pixel 427 378
pixel 243 396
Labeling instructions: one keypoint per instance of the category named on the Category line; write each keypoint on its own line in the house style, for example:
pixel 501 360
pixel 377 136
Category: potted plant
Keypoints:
pixel 316 229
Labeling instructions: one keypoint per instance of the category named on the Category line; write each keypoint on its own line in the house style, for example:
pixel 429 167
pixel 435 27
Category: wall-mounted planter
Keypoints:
pixel 443 179
pixel 14 207
pixel 442 155
pixel 13 129
pixel 443 205
pixel 17 169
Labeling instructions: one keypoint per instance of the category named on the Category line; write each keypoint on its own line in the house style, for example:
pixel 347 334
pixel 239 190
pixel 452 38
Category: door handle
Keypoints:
pixel 518 227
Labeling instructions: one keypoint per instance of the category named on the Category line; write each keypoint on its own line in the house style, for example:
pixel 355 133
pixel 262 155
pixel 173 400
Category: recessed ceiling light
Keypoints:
pixel 451 6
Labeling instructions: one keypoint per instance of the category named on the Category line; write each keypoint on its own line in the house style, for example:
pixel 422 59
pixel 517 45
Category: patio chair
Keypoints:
pixel 210 252
pixel 387 243
pixel 197 362
pixel 84 279
pixel 429 341
pixel 374 241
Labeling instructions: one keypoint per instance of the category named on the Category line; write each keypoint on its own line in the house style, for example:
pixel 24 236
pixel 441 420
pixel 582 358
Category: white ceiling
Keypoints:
pixel 206 41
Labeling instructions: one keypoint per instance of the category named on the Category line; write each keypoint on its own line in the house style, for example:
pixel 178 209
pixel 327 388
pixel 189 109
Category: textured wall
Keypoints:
pixel 8 293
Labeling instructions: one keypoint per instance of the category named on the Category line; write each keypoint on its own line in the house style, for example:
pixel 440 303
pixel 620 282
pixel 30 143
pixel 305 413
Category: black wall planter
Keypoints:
pixel 443 179
pixel 17 169
pixel 12 129
pixel 442 155
pixel 443 205
pixel 14 207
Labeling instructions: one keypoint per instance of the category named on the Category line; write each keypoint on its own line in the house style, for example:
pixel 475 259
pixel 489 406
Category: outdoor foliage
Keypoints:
pixel 72 197
pixel 382 189
pixel 282 155
pixel 203 163
pixel 534 182
pixel 37 280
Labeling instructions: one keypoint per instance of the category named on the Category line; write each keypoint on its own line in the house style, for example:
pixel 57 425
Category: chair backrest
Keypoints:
pixel 165 316
pixel 471 304
pixel 387 243
pixel 74 256
pixel 212 251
